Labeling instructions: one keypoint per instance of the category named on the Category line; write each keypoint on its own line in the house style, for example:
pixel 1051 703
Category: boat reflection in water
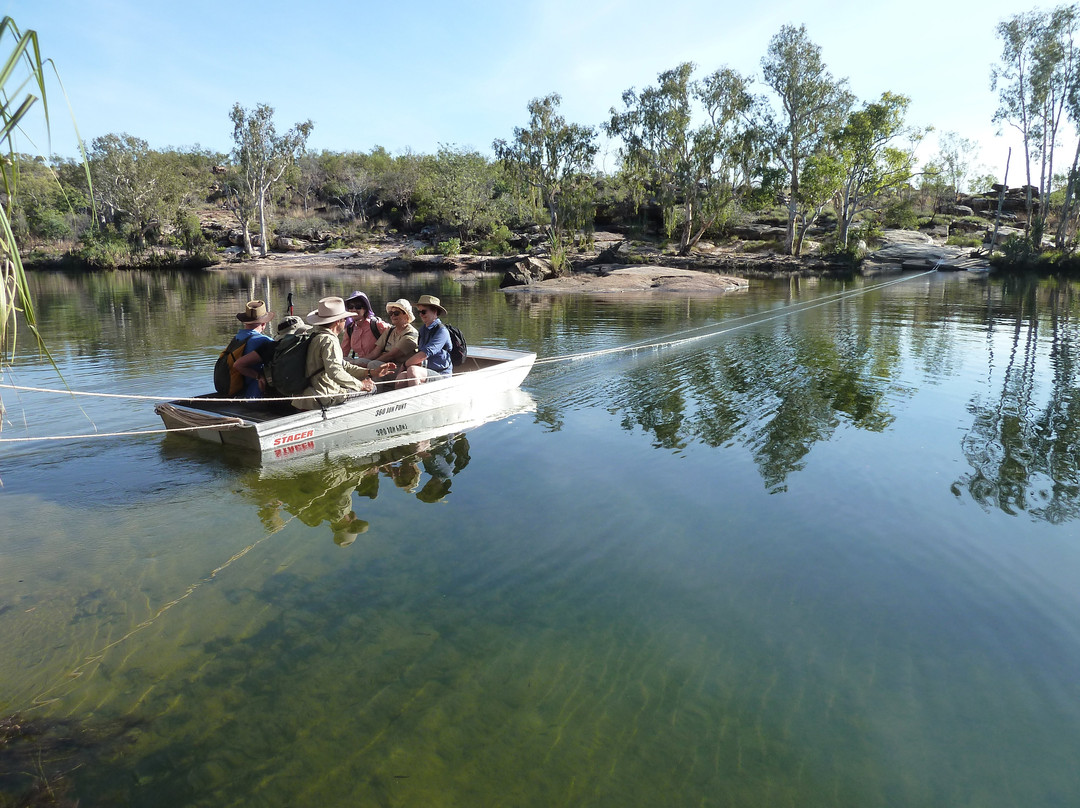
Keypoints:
pixel 322 492
pixel 314 481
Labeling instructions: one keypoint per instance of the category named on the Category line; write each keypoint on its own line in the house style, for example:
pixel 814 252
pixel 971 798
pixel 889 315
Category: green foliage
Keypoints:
pixel 1018 251
pixel 189 231
pixel 307 228
pixel 964 240
pixel 459 190
pixel 873 165
pixel 900 215
pixel 551 161
pixel 449 247
pixel 22 69
pixel 135 188
pixel 694 168
pixel 814 103
pixel 560 255
pixel 103 249
pixel 48 224
pixel 497 242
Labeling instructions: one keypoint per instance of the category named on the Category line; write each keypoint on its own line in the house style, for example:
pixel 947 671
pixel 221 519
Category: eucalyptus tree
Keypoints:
pixel 260 159
pixel 46 208
pixel 877 153
pixel 686 138
pixel 461 190
pixel 400 181
pixel 954 159
pixel 553 159
pixel 134 185
pixel 1035 79
pixel 813 102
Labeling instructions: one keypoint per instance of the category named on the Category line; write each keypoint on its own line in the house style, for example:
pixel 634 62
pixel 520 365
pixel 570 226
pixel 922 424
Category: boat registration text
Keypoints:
pixel 386 410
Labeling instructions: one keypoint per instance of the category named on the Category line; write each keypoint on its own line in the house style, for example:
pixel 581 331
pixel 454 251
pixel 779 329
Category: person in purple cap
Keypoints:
pixel 363 329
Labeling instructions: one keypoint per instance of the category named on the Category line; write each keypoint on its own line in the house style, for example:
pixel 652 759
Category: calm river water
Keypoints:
pixel 818 549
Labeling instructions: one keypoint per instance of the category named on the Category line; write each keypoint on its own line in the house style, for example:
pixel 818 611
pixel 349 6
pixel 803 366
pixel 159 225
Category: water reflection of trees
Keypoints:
pixel 328 493
pixel 777 392
pixel 1024 441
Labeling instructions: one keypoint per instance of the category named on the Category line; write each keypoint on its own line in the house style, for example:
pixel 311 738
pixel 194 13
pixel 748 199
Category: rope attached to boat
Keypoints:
pixel 218 422
pixel 678 337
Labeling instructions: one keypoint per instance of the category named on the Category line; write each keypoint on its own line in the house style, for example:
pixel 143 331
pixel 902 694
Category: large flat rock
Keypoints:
pixel 615 279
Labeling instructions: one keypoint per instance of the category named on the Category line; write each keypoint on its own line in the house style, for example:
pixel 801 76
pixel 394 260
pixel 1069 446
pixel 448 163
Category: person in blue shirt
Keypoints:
pixel 432 359
pixel 253 320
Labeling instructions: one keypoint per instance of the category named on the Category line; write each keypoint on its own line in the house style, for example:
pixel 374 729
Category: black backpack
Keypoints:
pixel 459 350
pixel 286 371
pixel 227 381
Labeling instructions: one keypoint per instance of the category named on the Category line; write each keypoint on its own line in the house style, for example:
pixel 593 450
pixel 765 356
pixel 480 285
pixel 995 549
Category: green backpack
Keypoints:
pixel 286 371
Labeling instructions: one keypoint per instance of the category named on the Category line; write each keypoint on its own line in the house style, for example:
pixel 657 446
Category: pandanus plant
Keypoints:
pixel 22 85
pixel 21 76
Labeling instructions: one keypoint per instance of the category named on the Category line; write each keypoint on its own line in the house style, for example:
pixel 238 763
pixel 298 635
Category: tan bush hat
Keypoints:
pixel 404 305
pixel 331 309
pixel 254 313
pixel 431 300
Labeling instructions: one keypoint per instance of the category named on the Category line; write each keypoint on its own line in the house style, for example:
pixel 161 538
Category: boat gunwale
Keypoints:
pixel 262 430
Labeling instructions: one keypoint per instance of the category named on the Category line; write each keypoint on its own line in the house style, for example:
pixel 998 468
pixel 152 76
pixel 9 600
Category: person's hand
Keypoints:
pixel 386 370
pixel 367 384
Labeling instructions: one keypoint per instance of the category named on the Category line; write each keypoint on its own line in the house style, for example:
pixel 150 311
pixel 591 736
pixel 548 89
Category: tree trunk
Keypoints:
pixel 262 224
pixel 789 236
pixel 1066 208
pixel 1001 201
pixel 799 233
pixel 688 223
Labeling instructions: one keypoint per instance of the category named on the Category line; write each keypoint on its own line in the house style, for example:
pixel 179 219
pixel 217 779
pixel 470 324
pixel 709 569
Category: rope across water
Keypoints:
pixel 679 338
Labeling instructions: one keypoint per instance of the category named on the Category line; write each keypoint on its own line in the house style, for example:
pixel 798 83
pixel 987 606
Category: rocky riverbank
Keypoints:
pixel 620 265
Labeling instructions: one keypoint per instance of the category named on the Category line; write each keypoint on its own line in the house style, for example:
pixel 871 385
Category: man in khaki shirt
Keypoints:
pixel 331 378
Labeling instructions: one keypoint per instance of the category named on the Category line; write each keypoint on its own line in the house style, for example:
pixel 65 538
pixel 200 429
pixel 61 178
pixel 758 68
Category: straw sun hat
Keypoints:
pixel 402 304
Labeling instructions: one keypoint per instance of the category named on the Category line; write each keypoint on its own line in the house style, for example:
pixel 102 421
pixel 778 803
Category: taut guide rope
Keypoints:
pixel 649 344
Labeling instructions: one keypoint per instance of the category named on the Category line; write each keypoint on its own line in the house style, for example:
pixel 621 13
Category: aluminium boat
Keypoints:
pixel 260 426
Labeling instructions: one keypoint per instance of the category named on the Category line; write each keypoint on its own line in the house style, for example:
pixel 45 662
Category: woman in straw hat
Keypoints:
pixel 397 343
pixel 330 378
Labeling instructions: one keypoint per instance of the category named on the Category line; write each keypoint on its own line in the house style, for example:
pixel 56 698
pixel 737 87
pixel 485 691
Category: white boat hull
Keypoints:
pixel 488 373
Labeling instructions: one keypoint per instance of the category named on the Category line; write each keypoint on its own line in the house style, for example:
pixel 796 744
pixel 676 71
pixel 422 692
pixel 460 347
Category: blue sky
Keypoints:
pixel 417 74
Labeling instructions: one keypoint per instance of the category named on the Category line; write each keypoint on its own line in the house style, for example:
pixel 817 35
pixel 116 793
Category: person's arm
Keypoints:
pixel 403 348
pixel 439 341
pixel 249 364
pixel 379 352
pixel 346 376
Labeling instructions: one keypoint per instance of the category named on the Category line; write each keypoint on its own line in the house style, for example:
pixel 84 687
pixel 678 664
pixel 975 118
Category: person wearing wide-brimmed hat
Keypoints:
pixel 397 343
pixel 330 378
pixel 432 358
pixel 251 364
pixel 253 320
pixel 362 329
